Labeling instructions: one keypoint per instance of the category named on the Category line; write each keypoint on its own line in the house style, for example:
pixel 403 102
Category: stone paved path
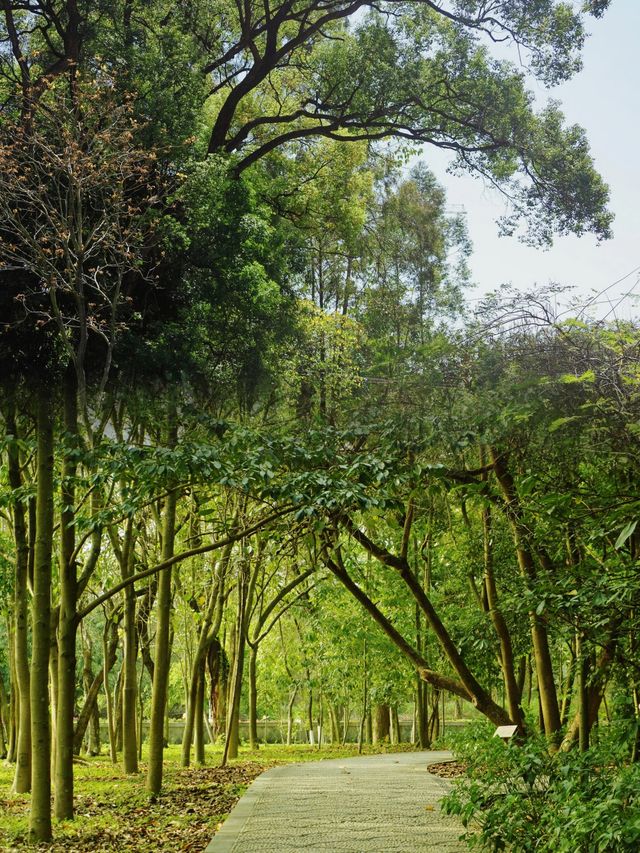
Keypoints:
pixel 373 804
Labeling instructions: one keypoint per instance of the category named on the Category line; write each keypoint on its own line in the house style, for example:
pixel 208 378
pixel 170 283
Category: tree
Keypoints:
pixel 421 75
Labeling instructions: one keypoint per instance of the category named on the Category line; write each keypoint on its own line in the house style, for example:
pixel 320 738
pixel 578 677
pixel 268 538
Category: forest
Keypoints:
pixel 265 474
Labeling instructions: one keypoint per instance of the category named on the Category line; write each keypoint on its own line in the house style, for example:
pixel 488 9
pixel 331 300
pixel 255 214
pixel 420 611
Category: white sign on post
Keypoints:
pixel 505 732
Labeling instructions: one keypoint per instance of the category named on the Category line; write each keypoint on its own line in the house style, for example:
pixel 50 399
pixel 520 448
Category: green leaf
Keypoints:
pixel 560 422
pixel 570 378
pixel 625 534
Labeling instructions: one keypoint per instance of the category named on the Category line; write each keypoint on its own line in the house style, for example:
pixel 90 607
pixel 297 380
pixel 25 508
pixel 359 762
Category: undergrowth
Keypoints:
pixel 522 798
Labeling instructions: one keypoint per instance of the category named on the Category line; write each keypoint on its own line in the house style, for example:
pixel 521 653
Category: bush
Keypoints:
pixel 521 798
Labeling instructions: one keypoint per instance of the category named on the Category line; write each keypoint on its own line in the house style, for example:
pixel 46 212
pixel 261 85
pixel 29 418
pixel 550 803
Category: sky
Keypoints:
pixel 605 99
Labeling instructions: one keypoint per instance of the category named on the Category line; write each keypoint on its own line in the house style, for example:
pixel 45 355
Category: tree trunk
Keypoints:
pixel 199 718
pixel 345 723
pixel 541 652
pixel 594 691
pixel 310 711
pixel 22 776
pixel 422 714
pixel 218 666
pixel 162 650
pixel 231 742
pixel 119 710
pixel 394 725
pixel 14 711
pixel 583 694
pixel 108 643
pixel 467 687
pixel 88 680
pixel 568 689
pixel 53 689
pixel 140 728
pixel 368 727
pixel 434 719
pixel 142 625
pixel 67 617
pixel 253 698
pixel 4 720
pixel 129 680
pixel 292 698
pixel 500 625
pixel 522 675
pixel 209 652
pixel 335 725
pixel 381 723
pixel 92 688
pixel 40 816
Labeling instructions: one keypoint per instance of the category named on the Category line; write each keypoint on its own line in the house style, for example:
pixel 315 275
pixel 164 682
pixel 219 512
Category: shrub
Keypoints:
pixel 521 798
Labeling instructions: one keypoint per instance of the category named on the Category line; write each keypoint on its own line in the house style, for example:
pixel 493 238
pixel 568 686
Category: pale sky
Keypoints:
pixel 605 99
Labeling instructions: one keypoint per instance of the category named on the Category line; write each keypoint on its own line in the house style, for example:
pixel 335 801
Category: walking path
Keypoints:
pixel 373 804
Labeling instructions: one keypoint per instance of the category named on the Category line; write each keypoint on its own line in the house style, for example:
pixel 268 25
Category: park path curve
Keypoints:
pixel 373 804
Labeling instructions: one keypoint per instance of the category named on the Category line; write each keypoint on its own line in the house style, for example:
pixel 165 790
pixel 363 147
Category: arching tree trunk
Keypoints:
pixel 540 640
pixel 500 625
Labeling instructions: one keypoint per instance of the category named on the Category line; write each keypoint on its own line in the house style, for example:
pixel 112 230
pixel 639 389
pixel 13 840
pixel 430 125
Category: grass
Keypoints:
pixel 114 813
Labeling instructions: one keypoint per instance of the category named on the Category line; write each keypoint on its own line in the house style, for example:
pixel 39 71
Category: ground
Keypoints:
pixel 113 811
pixel 448 769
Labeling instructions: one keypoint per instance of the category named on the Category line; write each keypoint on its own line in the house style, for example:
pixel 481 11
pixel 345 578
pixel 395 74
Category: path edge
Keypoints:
pixel 225 838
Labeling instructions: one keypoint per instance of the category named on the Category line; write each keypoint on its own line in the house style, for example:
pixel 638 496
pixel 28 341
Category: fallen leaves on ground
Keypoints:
pixel 448 769
pixel 183 818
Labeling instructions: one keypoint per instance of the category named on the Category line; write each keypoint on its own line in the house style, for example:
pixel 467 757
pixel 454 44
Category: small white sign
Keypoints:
pixel 505 732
